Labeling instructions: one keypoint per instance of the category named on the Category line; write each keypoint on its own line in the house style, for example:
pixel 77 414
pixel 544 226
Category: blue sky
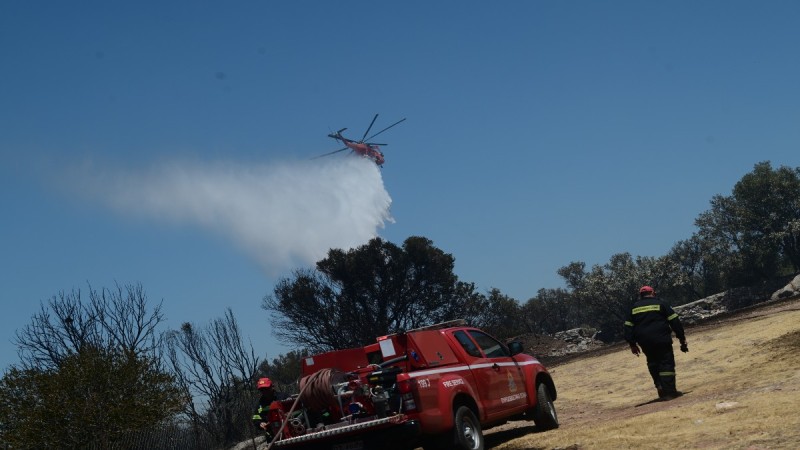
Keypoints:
pixel 168 143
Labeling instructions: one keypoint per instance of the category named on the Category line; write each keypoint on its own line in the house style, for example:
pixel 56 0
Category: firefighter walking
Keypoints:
pixel 650 324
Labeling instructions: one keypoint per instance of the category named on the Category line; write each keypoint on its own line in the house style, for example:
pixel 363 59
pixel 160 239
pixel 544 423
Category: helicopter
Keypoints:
pixel 369 150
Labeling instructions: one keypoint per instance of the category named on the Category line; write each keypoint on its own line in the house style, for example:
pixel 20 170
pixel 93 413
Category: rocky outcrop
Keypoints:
pixel 549 347
pixel 257 442
pixel 735 299
pixel 790 290
pixel 578 340
pixel 701 309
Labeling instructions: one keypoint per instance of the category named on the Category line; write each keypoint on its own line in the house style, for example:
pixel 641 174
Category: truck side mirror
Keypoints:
pixel 515 347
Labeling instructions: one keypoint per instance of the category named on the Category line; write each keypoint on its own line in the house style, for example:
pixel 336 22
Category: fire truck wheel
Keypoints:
pixel 544 413
pixel 468 435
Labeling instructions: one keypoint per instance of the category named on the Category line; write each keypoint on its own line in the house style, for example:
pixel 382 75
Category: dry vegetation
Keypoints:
pixel 741 379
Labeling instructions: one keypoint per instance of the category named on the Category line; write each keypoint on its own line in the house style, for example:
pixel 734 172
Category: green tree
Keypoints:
pixel 93 398
pixel 500 315
pixel 378 288
pixel 701 268
pixel 607 291
pixel 23 393
pixel 90 373
pixel 552 310
pixel 284 371
pixel 756 230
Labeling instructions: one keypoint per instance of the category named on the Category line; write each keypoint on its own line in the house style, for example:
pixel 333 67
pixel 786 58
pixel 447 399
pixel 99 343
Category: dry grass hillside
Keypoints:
pixel 741 380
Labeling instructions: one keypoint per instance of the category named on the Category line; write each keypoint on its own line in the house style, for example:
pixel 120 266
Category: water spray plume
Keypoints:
pixel 282 214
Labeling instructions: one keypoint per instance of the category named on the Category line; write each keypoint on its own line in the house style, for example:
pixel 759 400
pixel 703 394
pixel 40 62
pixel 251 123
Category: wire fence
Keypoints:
pixel 164 438
pixel 168 438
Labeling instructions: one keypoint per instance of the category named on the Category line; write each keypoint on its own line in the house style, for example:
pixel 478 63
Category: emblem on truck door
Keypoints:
pixel 512 386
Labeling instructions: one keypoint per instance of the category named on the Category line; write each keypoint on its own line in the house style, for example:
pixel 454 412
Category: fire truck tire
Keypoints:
pixel 468 434
pixel 544 413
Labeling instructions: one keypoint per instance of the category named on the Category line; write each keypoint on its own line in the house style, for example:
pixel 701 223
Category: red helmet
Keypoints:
pixel 264 383
pixel 646 290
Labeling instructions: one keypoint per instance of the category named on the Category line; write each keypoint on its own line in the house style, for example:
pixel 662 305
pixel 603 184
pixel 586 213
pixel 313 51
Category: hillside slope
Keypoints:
pixel 741 379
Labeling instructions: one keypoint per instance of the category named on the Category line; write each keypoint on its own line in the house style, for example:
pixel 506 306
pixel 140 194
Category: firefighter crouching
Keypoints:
pixel 261 414
pixel 650 325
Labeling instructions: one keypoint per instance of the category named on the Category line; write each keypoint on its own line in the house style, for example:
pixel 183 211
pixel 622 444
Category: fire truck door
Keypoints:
pixel 500 380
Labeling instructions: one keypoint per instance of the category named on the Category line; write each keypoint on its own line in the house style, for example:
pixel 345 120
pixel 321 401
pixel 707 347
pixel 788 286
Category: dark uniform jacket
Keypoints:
pixel 261 413
pixel 651 322
pixel 262 410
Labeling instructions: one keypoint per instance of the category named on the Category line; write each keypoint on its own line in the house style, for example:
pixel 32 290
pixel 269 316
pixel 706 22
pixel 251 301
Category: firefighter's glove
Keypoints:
pixel 684 347
pixel 634 349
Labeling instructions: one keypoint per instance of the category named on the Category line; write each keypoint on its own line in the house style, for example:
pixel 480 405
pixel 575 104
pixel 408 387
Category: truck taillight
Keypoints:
pixel 404 387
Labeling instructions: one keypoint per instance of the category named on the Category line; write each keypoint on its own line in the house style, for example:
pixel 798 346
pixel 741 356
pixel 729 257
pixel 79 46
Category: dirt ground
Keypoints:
pixel 741 380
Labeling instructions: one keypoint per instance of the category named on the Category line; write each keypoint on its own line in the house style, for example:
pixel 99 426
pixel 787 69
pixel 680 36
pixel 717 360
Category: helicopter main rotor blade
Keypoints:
pixel 390 126
pixel 331 153
pixel 369 127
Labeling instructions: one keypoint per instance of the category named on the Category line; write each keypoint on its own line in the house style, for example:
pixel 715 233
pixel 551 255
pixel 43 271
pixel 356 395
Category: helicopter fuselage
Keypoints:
pixel 363 149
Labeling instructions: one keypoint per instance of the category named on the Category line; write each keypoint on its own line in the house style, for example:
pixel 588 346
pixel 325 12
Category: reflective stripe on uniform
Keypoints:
pixel 627 323
pixel 256 417
pixel 648 308
pixel 672 316
pixel 666 374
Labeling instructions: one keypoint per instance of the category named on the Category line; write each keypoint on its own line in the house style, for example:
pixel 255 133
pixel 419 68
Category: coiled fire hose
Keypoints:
pixel 319 395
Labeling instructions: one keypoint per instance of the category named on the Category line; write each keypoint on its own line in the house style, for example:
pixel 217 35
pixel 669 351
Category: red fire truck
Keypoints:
pixel 437 387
